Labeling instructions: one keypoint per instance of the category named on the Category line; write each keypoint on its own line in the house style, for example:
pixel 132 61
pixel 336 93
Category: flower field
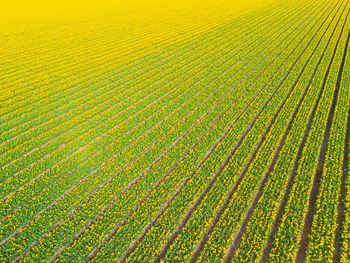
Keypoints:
pixel 175 131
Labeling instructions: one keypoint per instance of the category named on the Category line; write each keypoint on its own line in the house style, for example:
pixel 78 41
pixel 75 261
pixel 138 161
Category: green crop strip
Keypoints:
pixel 185 131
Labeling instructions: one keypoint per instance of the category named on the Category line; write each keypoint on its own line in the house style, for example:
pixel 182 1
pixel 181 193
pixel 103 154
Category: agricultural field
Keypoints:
pixel 175 131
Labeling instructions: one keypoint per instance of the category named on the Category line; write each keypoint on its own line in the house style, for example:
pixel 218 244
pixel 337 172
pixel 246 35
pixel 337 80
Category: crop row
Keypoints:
pixel 175 151
pixel 265 211
pixel 109 45
pixel 143 64
pixel 108 63
pixel 53 122
pixel 235 203
pixel 343 232
pixel 214 160
pixel 129 36
pixel 94 76
pixel 30 134
pixel 133 100
pixel 198 222
pixel 324 223
pixel 289 232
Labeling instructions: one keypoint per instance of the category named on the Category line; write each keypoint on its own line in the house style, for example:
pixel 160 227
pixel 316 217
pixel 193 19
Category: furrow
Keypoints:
pixel 174 234
pixel 248 172
pixel 324 217
pixel 319 169
pixel 311 137
pixel 253 240
pixel 338 242
pixel 274 227
pixel 238 237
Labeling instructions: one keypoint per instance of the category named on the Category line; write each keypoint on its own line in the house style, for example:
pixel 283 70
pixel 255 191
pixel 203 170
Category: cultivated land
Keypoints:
pixel 175 131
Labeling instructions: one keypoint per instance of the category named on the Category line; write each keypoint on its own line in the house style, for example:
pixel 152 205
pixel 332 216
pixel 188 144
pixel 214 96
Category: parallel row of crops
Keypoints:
pixel 190 132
